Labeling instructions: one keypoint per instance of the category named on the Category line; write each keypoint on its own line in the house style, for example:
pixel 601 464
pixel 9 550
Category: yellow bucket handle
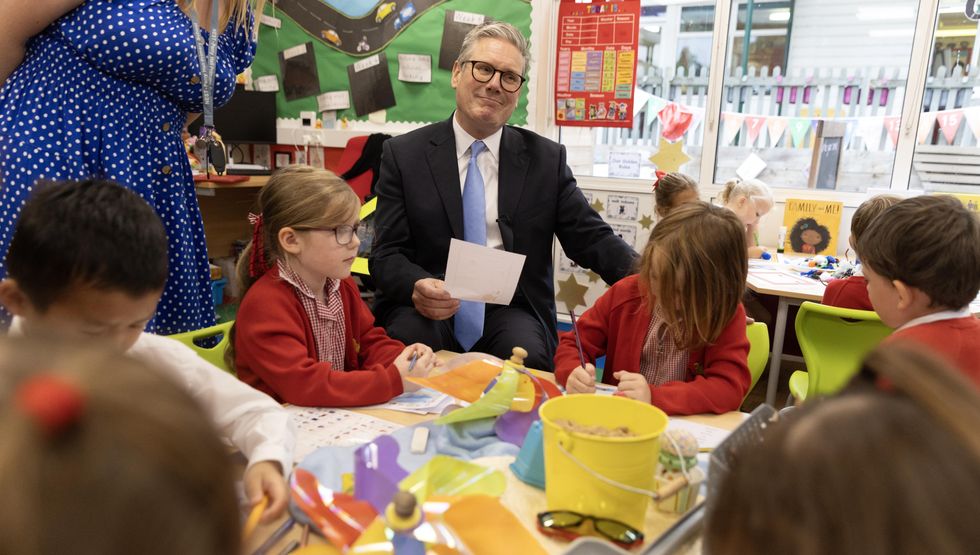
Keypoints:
pixel 668 490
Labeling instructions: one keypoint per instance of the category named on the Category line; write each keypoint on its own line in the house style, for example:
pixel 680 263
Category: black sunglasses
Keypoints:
pixel 568 525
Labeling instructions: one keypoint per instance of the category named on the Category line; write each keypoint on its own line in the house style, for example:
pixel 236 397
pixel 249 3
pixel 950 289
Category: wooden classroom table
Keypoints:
pixel 523 500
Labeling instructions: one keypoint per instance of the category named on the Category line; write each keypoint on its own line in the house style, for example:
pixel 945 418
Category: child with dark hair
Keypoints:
pixel 103 454
pixel 852 292
pixel 673 189
pixel 89 259
pixel 922 261
pixel 809 237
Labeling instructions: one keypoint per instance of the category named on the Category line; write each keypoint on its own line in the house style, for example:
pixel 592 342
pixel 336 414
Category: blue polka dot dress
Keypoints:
pixel 104 92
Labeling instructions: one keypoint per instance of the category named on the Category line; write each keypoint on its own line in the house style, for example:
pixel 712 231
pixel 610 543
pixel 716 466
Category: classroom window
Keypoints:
pixel 817 101
pixel 947 151
pixel 674 53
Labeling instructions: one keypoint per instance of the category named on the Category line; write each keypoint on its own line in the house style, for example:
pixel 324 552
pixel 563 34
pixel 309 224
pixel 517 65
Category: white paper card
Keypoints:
pixel 366 63
pixel 751 167
pixel 478 273
pixel 319 427
pixel 469 18
pixel 266 83
pixel 709 437
pixel 415 68
pixel 273 22
pixel 294 51
pixel 624 164
pixel 333 100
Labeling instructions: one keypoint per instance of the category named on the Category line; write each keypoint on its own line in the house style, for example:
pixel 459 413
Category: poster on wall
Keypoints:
pixel 595 70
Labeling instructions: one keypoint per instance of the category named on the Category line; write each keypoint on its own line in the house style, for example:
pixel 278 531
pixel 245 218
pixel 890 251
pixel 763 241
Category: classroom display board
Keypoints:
pixel 813 226
pixel 350 58
pixel 595 69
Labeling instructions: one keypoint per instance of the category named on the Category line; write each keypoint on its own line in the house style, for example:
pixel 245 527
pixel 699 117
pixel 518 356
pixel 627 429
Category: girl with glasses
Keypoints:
pixel 303 335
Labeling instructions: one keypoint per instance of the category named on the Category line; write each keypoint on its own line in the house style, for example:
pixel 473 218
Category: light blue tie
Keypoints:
pixel 468 323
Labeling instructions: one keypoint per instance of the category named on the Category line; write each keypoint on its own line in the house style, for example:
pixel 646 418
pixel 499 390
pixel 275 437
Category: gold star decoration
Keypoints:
pixel 670 156
pixel 646 221
pixel 593 277
pixel 571 293
pixel 597 205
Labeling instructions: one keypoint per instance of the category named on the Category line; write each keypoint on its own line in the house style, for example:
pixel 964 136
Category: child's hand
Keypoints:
pixel 581 380
pixel 633 385
pixel 425 361
pixel 265 479
pixel 756 252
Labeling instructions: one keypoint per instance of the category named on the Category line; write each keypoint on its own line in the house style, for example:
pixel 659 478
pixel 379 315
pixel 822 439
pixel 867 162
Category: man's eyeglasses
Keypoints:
pixel 484 72
pixel 569 525
pixel 344 233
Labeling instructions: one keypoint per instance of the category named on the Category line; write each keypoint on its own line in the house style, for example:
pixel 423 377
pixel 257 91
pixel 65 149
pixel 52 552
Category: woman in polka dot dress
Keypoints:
pixel 105 91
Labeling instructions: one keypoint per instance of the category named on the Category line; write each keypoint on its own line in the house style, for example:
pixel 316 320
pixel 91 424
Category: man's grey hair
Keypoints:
pixel 495 30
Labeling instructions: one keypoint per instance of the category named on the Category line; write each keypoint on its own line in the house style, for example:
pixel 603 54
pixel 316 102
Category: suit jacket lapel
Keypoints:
pixel 441 155
pixel 510 181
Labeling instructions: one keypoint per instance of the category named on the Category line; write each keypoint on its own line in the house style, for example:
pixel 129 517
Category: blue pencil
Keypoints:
pixel 578 343
pixel 411 364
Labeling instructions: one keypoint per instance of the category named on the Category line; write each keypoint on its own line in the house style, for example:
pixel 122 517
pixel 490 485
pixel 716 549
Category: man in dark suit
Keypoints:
pixel 517 193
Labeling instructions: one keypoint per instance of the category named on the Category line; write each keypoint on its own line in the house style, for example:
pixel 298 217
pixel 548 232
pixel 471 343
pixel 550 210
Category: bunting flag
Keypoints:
pixel 732 124
pixel 754 125
pixel 972 116
pixel 674 121
pixel 797 130
pixel 776 126
pixel 949 123
pixel 869 129
pixel 927 120
pixel 893 126
pixel 655 104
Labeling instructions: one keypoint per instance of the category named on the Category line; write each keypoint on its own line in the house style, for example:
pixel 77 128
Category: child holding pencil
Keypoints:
pixel 303 334
pixel 673 334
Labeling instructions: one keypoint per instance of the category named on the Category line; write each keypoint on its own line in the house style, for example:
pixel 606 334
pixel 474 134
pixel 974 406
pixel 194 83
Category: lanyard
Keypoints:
pixel 208 65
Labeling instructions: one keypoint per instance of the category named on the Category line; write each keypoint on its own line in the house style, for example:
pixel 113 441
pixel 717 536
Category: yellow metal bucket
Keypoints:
pixel 586 473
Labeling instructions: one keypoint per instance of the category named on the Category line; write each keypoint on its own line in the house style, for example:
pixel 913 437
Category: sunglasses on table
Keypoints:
pixel 569 525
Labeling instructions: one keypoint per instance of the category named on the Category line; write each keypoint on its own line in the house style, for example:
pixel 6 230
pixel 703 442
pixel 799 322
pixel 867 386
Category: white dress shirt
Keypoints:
pixel 489 164
pixel 251 420
pixel 936 317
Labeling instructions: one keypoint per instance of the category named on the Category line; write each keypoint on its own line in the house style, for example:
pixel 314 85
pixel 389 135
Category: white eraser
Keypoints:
pixel 420 437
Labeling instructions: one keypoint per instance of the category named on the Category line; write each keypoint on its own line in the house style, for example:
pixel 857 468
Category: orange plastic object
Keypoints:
pixel 340 517
pixel 481 522
pixel 466 382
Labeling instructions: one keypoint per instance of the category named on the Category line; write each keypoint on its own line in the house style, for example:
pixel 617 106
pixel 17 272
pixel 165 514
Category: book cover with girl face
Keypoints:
pixel 813 226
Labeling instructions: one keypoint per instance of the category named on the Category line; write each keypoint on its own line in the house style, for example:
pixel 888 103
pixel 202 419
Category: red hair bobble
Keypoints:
pixel 660 175
pixel 53 403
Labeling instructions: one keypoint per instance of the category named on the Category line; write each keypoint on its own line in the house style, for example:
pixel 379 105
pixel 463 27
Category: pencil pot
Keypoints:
pixel 596 447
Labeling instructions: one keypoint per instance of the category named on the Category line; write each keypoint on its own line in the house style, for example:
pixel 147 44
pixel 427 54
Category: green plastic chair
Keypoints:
pixel 215 355
pixel 758 334
pixel 834 341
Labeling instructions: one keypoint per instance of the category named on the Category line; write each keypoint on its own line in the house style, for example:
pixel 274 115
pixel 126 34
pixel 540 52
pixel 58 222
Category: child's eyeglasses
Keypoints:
pixel 344 233
pixel 569 525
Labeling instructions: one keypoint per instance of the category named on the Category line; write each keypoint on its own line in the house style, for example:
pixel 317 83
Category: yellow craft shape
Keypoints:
pixel 446 476
pixel 481 522
pixel 495 402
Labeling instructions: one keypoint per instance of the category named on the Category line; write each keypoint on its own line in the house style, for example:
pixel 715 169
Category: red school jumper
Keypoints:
pixel 956 340
pixel 616 326
pixel 275 351
pixel 849 292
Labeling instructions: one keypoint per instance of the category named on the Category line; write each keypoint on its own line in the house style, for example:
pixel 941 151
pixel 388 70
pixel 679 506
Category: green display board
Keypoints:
pixel 426 102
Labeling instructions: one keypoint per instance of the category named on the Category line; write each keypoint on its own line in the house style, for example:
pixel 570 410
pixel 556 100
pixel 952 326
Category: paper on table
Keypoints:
pixel 478 273
pixel 423 401
pixel 709 437
pixel 319 427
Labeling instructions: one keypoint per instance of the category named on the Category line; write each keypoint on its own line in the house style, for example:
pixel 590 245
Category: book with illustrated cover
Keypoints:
pixel 812 226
